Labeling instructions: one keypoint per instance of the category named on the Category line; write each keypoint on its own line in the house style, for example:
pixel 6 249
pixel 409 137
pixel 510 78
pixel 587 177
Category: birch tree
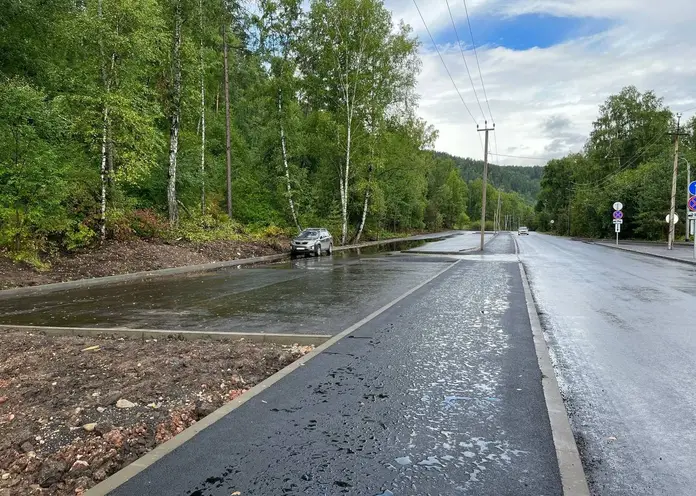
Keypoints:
pixel 175 117
pixel 348 43
pixel 279 28
pixel 391 83
pixel 201 57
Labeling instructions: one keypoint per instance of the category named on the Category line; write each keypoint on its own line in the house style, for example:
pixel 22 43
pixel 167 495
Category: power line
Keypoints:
pixel 473 43
pixel 621 169
pixel 443 62
pixel 478 65
pixel 461 49
pixel 521 157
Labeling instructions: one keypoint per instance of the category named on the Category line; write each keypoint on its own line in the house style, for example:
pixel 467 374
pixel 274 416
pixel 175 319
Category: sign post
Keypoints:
pixel 692 212
pixel 618 219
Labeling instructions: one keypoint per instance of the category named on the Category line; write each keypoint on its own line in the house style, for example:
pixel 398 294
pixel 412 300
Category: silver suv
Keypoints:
pixel 312 240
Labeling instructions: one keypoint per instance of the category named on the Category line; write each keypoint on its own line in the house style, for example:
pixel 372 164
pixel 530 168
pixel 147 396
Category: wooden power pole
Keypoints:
pixel 485 129
pixel 673 200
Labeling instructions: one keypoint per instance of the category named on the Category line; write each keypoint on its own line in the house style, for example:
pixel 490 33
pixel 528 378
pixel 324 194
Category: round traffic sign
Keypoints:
pixel 692 203
pixel 674 220
pixel 619 205
pixel 692 188
pixel 618 214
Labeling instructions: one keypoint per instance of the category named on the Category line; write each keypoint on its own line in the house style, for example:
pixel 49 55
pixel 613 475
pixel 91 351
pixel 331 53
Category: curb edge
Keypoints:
pixel 139 465
pixel 569 463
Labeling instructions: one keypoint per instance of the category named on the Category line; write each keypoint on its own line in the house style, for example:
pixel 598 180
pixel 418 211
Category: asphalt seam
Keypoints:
pixel 253 337
pixel 654 255
pixel 569 463
pixel 130 471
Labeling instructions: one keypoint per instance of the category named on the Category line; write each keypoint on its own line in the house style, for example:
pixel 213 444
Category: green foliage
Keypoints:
pixel 628 158
pixel 86 85
pixel 524 180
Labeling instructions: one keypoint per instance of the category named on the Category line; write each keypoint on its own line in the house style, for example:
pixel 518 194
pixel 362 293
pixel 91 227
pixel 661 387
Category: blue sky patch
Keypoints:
pixel 525 31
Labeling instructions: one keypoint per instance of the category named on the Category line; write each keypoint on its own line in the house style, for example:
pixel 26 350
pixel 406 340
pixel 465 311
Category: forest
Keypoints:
pixel 628 157
pixel 524 180
pixel 200 119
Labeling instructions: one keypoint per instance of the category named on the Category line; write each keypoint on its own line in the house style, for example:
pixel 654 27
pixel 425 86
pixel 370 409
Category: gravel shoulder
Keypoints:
pixel 75 410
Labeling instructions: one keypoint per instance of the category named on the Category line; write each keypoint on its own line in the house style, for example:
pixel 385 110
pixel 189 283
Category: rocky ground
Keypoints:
pixel 75 410
pixel 132 256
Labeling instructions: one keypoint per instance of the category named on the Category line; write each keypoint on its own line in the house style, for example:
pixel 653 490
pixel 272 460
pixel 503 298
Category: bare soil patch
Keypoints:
pixel 124 257
pixel 75 410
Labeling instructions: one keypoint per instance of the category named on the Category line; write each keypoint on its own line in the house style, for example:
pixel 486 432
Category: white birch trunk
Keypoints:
pixel 364 214
pixel 105 132
pixel 202 116
pixel 200 6
pixel 365 204
pixel 103 173
pixel 344 184
pixel 285 161
pixel 175 118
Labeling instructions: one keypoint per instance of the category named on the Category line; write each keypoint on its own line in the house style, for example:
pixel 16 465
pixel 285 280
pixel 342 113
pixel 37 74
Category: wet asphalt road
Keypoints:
pixel 306 296
pixel 440 394
pixel 620 328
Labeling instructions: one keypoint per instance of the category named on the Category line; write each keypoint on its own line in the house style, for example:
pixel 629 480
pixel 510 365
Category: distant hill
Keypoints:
pixel 523 180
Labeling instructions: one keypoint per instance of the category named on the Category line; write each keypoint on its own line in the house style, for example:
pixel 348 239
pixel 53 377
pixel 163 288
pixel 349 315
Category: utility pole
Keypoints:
pixel 672 207
pixel 486 129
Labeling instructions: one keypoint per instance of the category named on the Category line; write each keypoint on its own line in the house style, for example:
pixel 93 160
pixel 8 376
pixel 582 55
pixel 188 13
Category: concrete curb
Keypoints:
pixel 569 463
pixel 252 337
pixel 187 269
pixel 162 450
pixel 654 255
pixel 172 271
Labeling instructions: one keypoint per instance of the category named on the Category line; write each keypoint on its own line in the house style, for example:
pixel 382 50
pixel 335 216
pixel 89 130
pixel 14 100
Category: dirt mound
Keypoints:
pixel 125 257
pixel 75 410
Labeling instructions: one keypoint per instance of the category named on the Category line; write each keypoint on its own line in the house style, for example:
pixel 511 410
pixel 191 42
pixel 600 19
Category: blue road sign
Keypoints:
pixel 692 203
pixel 618 215
pixel 692 188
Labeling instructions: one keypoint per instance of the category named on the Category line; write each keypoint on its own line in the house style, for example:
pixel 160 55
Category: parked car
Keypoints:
pixel 523 230
pixel 313 240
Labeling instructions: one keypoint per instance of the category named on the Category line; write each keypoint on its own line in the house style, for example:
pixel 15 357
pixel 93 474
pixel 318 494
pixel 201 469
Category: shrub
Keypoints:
pixel 148 224
pixel 80 237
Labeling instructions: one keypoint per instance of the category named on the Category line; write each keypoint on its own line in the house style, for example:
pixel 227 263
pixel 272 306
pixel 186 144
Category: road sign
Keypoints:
pixel 692 188
pixel 619 205
pixel 620 221
pixel 692 215
pixel 618 214
pixel 692 203
pixel 617 229
pixel 674 221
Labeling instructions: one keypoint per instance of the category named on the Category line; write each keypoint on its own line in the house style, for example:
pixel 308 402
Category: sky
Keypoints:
pixel 546 65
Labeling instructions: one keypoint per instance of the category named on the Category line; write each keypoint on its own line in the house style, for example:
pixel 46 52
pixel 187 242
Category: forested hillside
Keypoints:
pixel 202 120
pixel 629 157
pixel 523 180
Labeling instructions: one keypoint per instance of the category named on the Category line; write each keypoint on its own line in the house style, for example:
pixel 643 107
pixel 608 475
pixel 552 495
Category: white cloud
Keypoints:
pixel 651 46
